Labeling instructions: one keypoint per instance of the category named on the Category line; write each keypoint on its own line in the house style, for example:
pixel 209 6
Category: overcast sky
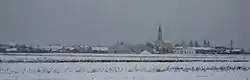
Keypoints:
pixel 132 21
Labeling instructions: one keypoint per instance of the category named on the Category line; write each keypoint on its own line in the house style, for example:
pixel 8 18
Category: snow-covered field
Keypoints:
pixel 123 70
pixel 89 56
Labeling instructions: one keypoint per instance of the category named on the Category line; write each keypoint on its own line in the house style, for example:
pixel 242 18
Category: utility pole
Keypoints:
pixel 231 46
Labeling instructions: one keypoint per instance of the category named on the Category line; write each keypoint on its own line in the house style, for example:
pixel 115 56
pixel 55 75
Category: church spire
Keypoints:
pixel 159 33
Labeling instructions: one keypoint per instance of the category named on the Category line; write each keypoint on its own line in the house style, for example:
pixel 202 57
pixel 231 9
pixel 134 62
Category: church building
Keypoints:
pixel 161 45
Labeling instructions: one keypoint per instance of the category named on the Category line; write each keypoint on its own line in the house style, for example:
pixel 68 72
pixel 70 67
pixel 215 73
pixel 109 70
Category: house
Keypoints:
pixel 11 50
pixel 83 48
pixel 98 49
pixel 181 50
pixel 67 49
pixel 141 47
pixel 121 48
pixel 131 48
pixel 198 50
pixel 145 52
pixel 234 51
pixel 22 47
pixel 8 48
pixel 3 47
pixel 49 48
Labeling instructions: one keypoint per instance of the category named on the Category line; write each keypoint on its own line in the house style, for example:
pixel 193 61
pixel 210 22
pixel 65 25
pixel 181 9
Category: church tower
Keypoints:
pixel 159 34
pixel 161 45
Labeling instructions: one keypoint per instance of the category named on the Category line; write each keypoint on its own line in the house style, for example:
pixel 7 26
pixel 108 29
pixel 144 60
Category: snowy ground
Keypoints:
pixel 125 71
pixel 88 56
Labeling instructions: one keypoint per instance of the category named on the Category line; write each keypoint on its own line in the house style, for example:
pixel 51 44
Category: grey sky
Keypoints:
pixel 133 21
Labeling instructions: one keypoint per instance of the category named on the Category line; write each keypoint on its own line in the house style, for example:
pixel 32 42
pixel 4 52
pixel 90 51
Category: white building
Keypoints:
pixel 145 52
pixel 99 49
pixel 50 48
pixel 11 50
pixel 181 50
pixel 83 48
pixel 235 51
pixel 197 50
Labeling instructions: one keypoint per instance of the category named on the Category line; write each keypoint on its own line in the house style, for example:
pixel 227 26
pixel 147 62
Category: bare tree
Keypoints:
pixel 191 44
pixel 177 45
pixel 183 43
pixel 196 43
pixel 205 43
pixel 208 44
